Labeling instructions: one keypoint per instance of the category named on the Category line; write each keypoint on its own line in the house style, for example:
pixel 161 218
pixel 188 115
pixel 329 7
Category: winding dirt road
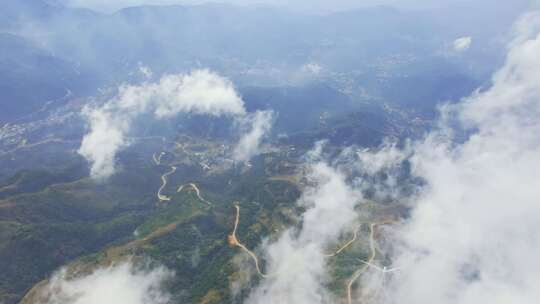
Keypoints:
pixel 197 191
pixel 346 245
pixel 360 271
pixel 233 241
pixel 157 160
pixel 160 196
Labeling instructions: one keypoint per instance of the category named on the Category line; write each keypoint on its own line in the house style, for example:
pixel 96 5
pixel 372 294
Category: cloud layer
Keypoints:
pixel 113 285
pixel 200 92
pixel 259 125
pixel 462 44
pixel 296 261
pixel 474 233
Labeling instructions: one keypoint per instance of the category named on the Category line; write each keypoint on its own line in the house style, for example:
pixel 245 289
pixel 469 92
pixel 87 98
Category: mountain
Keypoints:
pixel 371 48
pixel 353 79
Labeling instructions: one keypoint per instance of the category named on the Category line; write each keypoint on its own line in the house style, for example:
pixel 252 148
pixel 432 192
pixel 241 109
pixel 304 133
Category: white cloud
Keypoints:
pixel 374 161
pixel 462 44
pixel 381 171
pixel 296 261
pixel 312 68
pixel 118 284
pixel 259 124
pixel 201 92
pixel 474 233
pixel 145 71
pixel 317 153
pixel 305 73
pixel 105 139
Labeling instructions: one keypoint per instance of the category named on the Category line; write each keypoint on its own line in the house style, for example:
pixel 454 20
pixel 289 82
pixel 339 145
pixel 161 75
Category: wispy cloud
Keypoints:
pixel 200 92
pixel 105 139
pixel 312 68
pixel 462 44
pixel 296 261
pixel 473 235
pixel 258 125
pixel 117 284
pixel 145 71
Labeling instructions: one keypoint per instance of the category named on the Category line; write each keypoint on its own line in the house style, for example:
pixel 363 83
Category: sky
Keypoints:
pixel 303 5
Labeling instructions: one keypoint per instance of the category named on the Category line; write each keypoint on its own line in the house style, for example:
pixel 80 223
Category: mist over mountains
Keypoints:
pixel 83 50
pixel 317 152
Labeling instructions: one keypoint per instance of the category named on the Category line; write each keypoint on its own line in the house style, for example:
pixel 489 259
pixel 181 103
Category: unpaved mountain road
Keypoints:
pixel 360 271
pixel 233 241
pixel 197 191
pixel 160 196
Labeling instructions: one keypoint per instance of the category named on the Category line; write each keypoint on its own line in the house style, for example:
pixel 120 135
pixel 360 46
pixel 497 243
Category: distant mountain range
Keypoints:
pixel 46 49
